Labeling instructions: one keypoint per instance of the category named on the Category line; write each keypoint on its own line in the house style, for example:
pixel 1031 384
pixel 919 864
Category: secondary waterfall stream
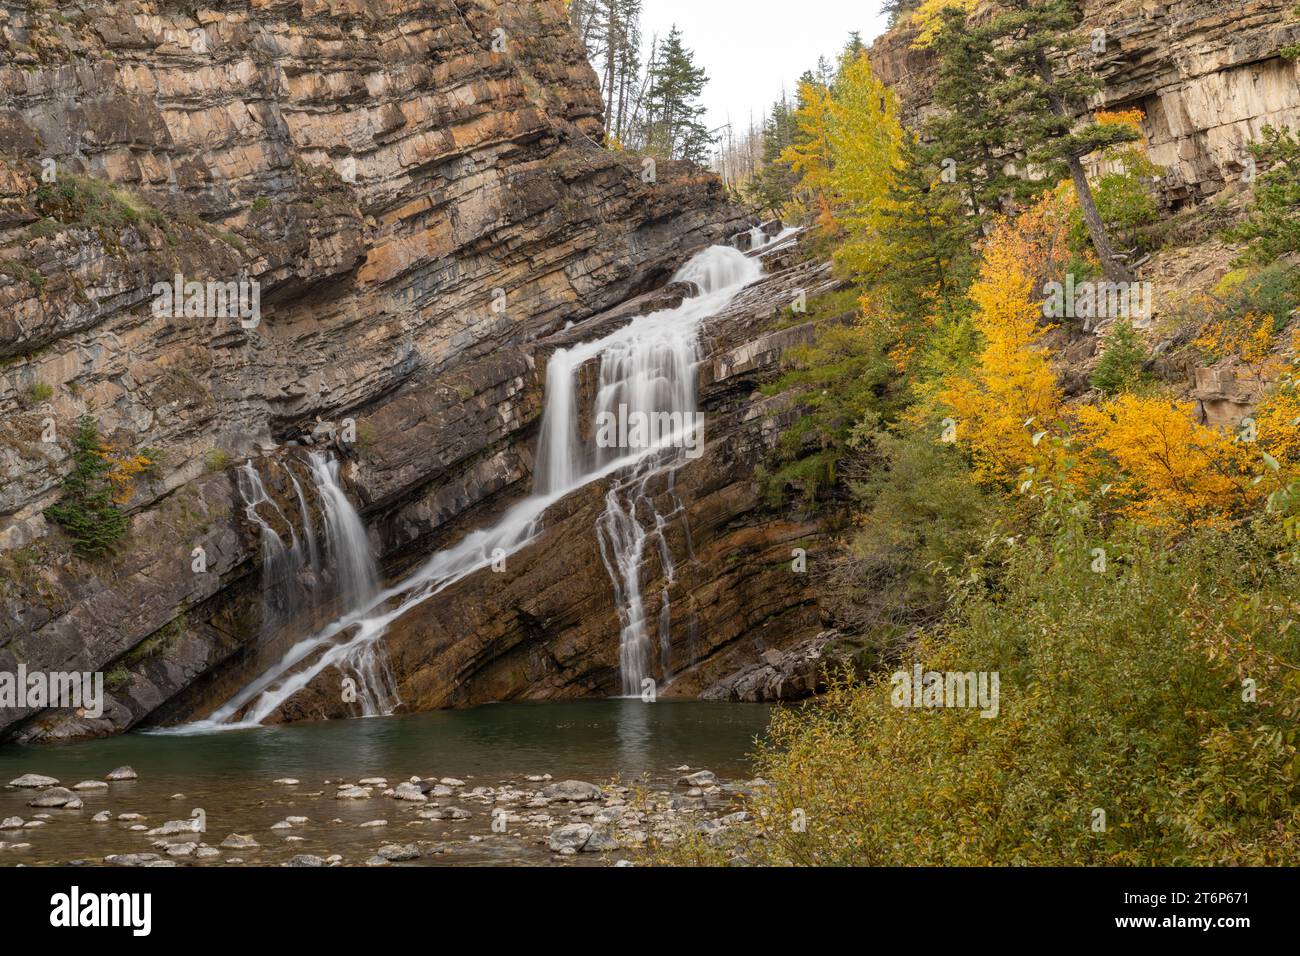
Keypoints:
pixel 647 366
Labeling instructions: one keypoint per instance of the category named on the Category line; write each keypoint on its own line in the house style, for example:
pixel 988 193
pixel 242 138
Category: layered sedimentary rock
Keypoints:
pixel 420 193
pixel 1208 77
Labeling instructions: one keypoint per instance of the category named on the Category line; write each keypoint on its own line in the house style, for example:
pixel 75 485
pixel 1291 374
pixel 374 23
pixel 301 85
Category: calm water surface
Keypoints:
pixel 229 776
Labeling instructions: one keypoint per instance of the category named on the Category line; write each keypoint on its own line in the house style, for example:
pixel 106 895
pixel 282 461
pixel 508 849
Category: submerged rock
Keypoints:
pixel 408 792
pixel 55 797
pixel 33 780
pixel 173 827
pixel 239 841
pixel 701 778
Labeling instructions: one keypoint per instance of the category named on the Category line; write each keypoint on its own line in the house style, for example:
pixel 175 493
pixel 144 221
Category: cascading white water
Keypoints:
pixel 309 530
pixel 356 579
pixel 345 561
pixel 282 564
pixel 648 365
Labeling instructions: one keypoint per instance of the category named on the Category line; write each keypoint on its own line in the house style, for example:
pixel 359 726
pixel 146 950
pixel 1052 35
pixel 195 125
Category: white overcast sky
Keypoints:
pixel 749 48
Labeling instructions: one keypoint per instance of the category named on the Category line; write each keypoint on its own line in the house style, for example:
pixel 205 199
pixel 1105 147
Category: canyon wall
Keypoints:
pixel 1208 77
pixel 419 189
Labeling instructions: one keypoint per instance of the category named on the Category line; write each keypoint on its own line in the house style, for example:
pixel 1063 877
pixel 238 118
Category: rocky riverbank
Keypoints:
pixel 370 821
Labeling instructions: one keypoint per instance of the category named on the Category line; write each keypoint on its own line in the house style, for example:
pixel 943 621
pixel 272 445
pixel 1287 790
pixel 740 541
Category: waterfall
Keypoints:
pixel 344 560
pixel 647 366
pixel 355 576
pixel 282 585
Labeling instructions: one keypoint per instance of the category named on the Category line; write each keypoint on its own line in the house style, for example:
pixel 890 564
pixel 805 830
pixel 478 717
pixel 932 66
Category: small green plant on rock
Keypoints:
pixel 87 511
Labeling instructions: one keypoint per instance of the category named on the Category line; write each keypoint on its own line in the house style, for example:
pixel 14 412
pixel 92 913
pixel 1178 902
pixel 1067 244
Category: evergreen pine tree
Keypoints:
pixel 1037 106
pixel 970 133
pixel 674 114
pixel 86 510
pixel 925 235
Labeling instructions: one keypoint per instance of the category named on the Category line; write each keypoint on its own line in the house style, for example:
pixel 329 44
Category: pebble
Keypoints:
pixel 103 816
pixel 91 785
pixel 306 859
pixel 353 793
pixel 374 823
pixel 239 841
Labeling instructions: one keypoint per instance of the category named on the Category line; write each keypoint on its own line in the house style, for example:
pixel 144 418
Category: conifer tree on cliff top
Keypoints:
pixel 675 127
pixel 1030 100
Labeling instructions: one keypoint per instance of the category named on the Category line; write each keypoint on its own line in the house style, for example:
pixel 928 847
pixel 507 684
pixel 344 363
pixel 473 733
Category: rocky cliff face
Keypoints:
pixel 1208 76
pixel 417 186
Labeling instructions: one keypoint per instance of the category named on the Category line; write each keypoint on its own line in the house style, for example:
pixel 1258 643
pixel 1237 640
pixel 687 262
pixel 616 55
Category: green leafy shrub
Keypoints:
pixel 919 519
pixel 1124 199
pixel 1272 228
pixel 1121 692
pixel 217 460
pixel 1273 290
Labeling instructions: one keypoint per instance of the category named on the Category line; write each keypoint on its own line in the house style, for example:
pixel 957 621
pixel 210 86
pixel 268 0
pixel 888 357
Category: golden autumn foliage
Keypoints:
pixel 928 17
pixel 1007 406
pixel 1165 468
pixel 810 155
pixel 1249 338
pixel 123 469
pixel 1132 118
